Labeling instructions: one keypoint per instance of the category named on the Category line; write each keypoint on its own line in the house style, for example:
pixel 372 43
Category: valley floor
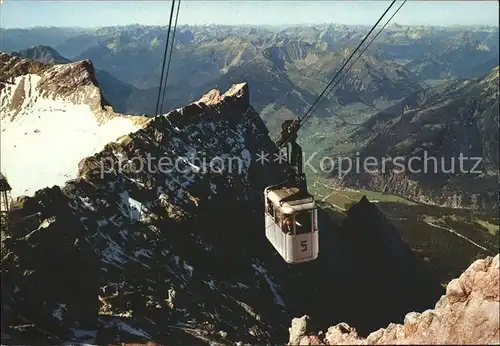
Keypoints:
pixel 448 239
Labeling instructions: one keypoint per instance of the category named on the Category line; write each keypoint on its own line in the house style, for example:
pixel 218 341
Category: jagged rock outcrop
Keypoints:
pixel 467 314
pixel 74 82
pixel 54 276
pixel 122 97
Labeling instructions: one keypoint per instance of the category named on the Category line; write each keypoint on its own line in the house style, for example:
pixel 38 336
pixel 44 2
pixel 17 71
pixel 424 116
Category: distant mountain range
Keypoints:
pixel 286 68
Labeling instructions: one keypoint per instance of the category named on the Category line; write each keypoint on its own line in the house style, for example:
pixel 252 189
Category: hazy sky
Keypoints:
pixel 23 13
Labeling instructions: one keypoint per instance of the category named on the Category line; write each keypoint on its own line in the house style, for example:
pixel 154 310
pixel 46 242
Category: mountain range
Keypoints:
pixel 285 67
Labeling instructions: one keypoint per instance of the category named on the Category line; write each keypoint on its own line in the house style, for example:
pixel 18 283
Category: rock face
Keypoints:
pixel 74 81
pixel 55 277
pixel 123 97
pixel 467 314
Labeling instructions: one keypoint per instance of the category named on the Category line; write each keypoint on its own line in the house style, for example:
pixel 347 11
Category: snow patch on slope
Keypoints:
pixel 43 144
pixel 272 285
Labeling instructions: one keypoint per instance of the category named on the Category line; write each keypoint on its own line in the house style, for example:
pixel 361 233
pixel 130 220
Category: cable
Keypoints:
pixel 358 125
pixel 339 71
pixel 360 54
pixel 350 57
pixel 164 58
pixel 170 55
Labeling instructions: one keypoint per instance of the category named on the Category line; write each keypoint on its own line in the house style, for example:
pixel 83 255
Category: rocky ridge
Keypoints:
pixel 137 269
pixel 121 96
pixel 73 81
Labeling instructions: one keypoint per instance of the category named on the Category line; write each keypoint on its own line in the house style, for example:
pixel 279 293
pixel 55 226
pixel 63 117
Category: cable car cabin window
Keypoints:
pixel 284 221
pixel 278 216
pixel 287 224
pixel 303 221
pixel 270 208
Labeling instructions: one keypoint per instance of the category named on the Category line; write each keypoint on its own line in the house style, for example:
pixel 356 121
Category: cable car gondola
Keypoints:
pixel 291 216
pixel 291 224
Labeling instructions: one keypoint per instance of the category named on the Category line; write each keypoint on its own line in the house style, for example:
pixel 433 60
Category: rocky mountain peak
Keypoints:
pixel 466 38
pixel 363 207
pixel 58 109
pixel 74 81
pixel 65 79
pixel 238 92
pixel 45 54
pixel 12 67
